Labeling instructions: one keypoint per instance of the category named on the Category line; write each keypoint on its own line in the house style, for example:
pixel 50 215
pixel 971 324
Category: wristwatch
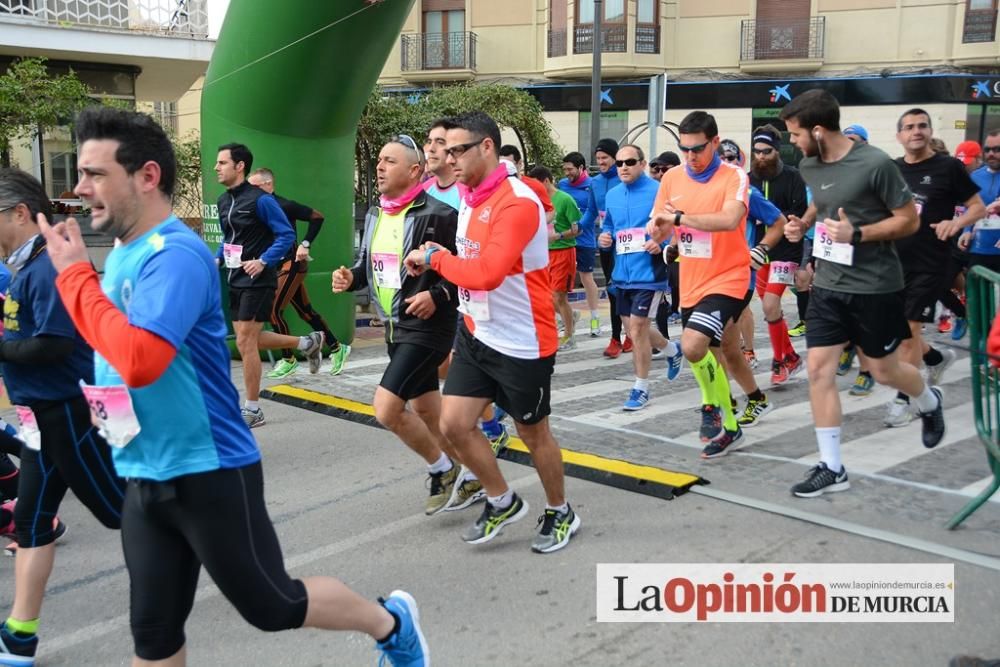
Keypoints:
pixel 305 244
pixel 677 217
pixel 856 236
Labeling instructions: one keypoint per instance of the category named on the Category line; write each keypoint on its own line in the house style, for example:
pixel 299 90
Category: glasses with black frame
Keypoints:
pixel 628 162
pixel 459 150
pixel 991 149
pixel 693 149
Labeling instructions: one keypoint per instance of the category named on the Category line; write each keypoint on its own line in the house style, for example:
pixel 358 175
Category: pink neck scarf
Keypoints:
pixel 394 206
pixel 476 196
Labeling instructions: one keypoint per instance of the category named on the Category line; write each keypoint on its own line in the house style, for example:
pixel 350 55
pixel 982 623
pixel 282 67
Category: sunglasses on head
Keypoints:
pixel 630 162
pixel 407 141
pixel 763 151
pixel 693 149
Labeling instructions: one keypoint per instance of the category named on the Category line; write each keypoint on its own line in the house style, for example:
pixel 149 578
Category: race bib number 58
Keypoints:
pixel 824 247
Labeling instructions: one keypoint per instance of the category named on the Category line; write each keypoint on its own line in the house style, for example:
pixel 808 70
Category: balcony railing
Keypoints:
pixel 439 50
pixel 557 43
pixel 647 39
pixel 779 39
pixel 184 18
pixel 980 26
pixel 612 38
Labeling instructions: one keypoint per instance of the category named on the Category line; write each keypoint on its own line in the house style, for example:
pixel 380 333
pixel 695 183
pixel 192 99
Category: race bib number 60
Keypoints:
pixel 694 243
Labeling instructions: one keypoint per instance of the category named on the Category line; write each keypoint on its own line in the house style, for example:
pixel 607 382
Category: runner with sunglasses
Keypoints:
pixel 706 204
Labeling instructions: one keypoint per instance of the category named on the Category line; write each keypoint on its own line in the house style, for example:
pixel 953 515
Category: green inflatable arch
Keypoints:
pixel 291 84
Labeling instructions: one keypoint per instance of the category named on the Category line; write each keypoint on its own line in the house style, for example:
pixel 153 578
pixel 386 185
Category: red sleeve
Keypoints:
pixel 993 343
pixel 539 189
pixel 504 246
pixel 138 355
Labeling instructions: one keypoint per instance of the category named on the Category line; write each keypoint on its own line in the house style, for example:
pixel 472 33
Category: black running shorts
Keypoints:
pixel 412 370
pixel 251 304
pixel 874 322
pixel 522 387
pixel 710 315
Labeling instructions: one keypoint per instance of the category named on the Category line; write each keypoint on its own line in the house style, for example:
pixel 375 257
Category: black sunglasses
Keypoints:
pixel 630 162
pixel 459 150
pixel 763 151
pixel 991 149
pixel 730 157
pixel 693 149
pixel 658 168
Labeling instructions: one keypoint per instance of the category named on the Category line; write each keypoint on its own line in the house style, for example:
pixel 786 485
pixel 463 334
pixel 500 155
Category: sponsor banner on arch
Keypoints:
pixel 776 593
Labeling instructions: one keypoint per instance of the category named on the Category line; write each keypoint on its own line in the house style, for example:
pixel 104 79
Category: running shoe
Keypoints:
pixel 932 429
pixel 656 353
pixel 339 357
pixel 557 529
pixel 846 360
pixel 637 400
pixel 863 385
pixel 253 418
pixel 467 492
pixel 798 330
pixel 944 324
pixel 16 650
pixel 820 480
pixel 406 647
pixel 897 413
pixel 751 358
pixel 674 363
pixel 779 373
pixel 283 368
pixel 627 345
pixel 675 318
pixel 614 349
pixel 499 439
pixel 935 373
pixel 567 343
pixel 794 365
pixel 314 353
pixel 441 485
pixel 499 414
pixel 721 446
pixel 595 327
pixel 711 422
pixel 753 412
pixel 960 328
pixel 493 520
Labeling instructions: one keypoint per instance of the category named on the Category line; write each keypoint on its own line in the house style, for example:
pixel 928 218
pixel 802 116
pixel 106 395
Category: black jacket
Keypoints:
pixel 787 191
pixel 252 218
pixel 428 219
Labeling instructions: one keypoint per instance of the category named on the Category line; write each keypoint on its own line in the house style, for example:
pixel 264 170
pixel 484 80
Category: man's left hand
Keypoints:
pixel 840 229
pixel 652 247
pixel 302 254
pixel 64 242
pixel 422 305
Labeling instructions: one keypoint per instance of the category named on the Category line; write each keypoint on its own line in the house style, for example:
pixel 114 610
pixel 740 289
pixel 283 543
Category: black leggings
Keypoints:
pixel 674 273
pixel 608 266
pixel 291 290
pixel 216 519
pixel 73 456
pixel 9 446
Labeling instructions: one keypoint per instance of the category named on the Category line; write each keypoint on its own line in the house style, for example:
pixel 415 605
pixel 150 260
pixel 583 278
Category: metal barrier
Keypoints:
pixel 981 289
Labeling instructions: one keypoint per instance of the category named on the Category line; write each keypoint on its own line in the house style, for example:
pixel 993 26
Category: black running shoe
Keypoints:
pixel 933 422
pixel 17 649
pixel 728 441
pixel 822 480
pixel 711 422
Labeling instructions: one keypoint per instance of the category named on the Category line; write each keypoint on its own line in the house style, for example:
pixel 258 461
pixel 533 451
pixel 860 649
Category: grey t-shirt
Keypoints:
pixel 867 184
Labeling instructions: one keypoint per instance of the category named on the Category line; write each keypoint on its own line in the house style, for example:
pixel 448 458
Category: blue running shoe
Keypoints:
pixel 959 328
pixel 499 414
pixel 17 651
pixel 406 647
pixel 674 363
pixel 637 400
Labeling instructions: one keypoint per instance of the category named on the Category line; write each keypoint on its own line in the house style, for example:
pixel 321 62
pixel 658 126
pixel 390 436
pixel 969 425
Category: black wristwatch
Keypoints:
pixel 856 236
pixel 677 217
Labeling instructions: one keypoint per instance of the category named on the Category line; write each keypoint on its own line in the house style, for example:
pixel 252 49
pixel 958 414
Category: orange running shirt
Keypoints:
pixel 727 271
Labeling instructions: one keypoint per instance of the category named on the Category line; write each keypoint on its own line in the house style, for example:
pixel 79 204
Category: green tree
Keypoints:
pixel 387 114
pixel 187 189
pixel 32 100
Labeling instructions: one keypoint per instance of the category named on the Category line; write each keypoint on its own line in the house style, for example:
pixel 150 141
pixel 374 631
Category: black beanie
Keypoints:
pixel 768 137
pixel 609 146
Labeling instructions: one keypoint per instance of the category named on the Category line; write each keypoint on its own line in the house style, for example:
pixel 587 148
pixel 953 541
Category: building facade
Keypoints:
pixel 740 59
pixel 144 52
